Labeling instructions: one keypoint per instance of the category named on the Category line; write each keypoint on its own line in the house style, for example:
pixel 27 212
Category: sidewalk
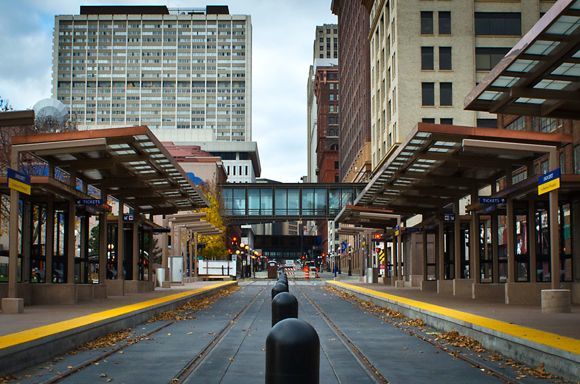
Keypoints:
pixel 521 332
pixel 42 332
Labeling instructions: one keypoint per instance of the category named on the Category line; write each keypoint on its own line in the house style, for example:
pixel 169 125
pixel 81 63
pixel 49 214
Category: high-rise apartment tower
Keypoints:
pixel 185 73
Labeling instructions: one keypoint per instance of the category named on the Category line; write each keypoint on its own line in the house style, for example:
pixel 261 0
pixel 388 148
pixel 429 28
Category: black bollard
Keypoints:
pixel 279 287
pixel 292 353
pixel 284 306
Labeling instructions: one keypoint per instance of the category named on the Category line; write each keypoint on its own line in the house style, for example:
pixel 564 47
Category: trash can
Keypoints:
pixel 272 270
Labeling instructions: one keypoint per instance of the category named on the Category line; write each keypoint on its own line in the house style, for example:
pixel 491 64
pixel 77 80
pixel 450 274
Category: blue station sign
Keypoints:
pixel 18 181
pixel 549 182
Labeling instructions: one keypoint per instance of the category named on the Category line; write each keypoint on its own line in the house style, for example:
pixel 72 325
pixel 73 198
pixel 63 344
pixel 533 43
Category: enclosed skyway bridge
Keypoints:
pixel 270 202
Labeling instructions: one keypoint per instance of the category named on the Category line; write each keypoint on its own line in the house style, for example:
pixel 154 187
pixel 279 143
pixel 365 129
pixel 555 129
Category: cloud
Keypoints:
pixel 283 33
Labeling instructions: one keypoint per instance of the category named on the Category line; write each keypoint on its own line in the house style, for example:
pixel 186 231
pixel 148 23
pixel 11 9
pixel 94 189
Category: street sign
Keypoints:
pixel 89 202
pixel 448 217
pixel 492 200
pixel 18 181
pixel 549 182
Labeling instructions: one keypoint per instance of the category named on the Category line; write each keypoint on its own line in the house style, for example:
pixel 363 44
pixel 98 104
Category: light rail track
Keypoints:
pixel 185 372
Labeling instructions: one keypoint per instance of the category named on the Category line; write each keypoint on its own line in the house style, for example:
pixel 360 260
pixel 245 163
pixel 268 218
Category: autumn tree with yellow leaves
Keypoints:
pixel 215 245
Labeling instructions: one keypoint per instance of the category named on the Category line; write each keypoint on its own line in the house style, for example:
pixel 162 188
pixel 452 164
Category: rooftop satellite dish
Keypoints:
pixel 51 108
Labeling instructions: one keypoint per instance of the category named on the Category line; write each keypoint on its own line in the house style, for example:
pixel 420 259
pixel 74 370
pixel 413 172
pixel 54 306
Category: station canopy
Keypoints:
pixel 129 164
pixel 540 75
pixel 367 217
pixel 433 168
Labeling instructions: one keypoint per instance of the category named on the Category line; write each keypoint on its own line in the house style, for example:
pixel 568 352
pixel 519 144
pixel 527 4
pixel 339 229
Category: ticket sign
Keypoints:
pixel 18 181
pixel 492 200
pixel 549 182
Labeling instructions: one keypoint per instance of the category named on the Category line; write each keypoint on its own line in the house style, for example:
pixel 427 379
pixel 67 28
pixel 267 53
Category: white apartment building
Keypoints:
pixel 185 73
pixel 426 55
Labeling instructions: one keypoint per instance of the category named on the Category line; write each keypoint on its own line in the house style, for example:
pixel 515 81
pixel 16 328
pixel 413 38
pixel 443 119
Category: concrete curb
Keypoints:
pixel 557 361
pixel 27 354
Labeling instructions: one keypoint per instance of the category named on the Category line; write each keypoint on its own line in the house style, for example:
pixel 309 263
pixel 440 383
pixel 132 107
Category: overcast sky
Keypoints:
pixel 283 33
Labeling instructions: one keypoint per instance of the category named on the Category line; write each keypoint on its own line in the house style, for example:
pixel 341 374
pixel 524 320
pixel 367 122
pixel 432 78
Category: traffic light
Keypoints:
pixel 378 236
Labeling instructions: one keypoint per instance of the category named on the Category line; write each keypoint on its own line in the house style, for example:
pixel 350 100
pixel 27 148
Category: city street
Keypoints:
pixel 225 343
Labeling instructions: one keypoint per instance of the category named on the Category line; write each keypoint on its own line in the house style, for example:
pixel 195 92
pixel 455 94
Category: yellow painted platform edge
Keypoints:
pixel 553 340
pixel 28 335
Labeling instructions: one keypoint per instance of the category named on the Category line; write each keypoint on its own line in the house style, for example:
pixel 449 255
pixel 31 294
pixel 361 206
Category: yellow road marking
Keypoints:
pixel 553 340
pixel 67 325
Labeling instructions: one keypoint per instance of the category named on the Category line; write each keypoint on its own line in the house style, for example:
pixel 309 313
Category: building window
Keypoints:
pixel 428 120
pixel 336 165
pixel 446 94
pixel 562 162
pixel 487 123
pixel 446 120
pixel 517 125
pixel 428 93
pixel 498 23
pixel 444 23
pixel 427 58
pixel 487 58
pixel 577 159
pixel 426 23
pixel 445 61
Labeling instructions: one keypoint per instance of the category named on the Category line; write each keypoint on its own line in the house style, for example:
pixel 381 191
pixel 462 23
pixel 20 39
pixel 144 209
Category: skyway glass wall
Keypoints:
pixel 305 200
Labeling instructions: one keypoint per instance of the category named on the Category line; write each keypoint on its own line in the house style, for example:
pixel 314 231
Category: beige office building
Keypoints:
pixel 185 73
pixel 426 56
pixel 326 42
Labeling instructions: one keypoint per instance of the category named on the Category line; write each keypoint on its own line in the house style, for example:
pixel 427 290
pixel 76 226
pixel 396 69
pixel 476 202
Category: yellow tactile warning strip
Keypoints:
pixel 534 335
pixel 13 339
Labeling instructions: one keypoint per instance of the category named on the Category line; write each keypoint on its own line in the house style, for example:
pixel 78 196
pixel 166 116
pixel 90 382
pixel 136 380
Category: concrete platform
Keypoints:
pixel 520 332
pixel 42 332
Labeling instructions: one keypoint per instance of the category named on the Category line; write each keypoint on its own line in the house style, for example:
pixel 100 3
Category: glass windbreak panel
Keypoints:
pixel 294 202
pixel 59 250
pixel 37 252
pixel 566 254
pixel 464 256
pixel 320 201
pixel 308 202
pixel 448 254
pixel 266 201
pixel 334 205
pixel 486 252
pixel 253 202
pixel 239 202
pixel 522 254
pixel 281 202
pixel 542 245
pixel 502 248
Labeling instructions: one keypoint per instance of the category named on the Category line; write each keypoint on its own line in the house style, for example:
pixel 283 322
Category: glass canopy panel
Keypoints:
pixel 565 25
pixel 541 47
pixel 522 65
pixel 505 81
pixel 489 95
pixel 552 84
pixel 567 69
pixel 528 100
